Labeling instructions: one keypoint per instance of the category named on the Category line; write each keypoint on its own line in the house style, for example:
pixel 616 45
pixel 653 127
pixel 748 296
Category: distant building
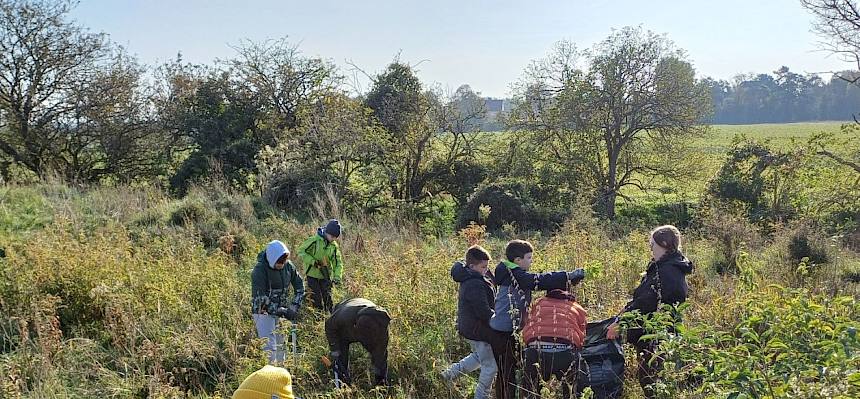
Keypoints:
pixel 497 109
pixel 497 104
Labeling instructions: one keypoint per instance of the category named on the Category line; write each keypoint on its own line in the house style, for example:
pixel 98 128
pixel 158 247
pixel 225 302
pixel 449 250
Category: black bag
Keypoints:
pixel 602 362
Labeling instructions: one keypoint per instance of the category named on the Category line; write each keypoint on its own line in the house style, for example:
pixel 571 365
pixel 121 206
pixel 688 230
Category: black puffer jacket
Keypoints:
pixel 474 303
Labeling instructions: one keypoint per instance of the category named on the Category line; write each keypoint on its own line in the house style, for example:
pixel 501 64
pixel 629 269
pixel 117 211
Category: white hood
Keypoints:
pixel 274 251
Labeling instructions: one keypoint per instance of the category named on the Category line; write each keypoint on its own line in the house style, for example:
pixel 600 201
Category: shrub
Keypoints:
pixel 732 234
pixel 511 202
pixel 787 343
pixel 808 243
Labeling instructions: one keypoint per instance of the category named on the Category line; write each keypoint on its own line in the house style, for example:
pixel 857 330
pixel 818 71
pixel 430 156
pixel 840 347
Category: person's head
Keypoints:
pixel 520 252
pixel 477 259
pixel 277 254
pixel 664 239
pixel 282 261
pixel 332 230
pixel 269 382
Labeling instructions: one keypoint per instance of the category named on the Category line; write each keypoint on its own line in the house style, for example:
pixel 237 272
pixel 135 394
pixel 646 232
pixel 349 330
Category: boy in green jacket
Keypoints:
pixel 323 263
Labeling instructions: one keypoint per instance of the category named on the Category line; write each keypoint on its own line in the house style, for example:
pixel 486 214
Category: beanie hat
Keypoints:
pixel 333 228
pixel 274 251
pixel 269 382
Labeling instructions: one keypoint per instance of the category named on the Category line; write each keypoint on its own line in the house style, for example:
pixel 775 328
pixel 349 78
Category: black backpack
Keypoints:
pixel 602 362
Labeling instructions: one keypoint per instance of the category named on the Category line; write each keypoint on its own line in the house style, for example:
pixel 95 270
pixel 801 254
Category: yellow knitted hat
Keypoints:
pixel 268 382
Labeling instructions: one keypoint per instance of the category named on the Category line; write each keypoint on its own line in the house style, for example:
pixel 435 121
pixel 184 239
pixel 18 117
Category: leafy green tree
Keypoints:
pixel 71 103
pixel 425 132
pixel 759 180
pixel 219 120
pixel 622 119
pixel 227 115
pixel 335 146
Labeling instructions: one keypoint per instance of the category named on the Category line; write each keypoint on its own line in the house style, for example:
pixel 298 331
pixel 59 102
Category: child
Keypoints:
pixel 553 336
pixel 323 263
pixel 268 382
pixel 359 320
pixel 515 285
pixel 271 280
pixel 664 282
pixel 474 309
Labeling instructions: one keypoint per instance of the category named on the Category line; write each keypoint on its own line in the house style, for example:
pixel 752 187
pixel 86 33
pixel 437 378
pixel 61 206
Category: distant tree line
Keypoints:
pixel 784 96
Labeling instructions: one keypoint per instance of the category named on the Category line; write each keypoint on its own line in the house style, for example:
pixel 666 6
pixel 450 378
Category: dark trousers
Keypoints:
pixel 540 366
pixel 507 352
pixel 378 359
pixel 320 293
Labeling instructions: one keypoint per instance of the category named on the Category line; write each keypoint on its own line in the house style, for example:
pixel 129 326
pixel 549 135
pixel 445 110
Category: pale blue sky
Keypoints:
pixel 485 44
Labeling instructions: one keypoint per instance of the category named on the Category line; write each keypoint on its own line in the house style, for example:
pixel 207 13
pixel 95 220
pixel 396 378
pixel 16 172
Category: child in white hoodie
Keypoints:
pixel 270 283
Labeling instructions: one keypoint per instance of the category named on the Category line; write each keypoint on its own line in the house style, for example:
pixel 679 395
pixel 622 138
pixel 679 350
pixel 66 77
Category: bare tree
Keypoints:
pixel 838 23
pixel 44 61
pixel 284 79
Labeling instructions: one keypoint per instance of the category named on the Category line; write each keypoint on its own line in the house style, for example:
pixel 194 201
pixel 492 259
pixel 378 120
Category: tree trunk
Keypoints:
pixel 609 191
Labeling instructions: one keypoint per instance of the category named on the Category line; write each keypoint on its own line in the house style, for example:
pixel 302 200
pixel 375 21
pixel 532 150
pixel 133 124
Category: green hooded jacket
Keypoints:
pixel 314 250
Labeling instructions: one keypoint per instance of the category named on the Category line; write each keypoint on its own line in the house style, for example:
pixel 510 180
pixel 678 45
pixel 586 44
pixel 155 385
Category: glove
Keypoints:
pixel 576 276
pixel 287 313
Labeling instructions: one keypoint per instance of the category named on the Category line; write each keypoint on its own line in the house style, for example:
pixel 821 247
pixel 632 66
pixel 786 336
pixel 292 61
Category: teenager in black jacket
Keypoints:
pixel 664 282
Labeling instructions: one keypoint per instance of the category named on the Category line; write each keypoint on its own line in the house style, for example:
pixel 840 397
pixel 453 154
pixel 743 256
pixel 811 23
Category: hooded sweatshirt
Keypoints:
pixel 269 286
pixel 475 302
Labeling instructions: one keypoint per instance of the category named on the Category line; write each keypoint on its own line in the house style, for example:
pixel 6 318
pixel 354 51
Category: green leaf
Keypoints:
pixel 854 379
pixel 776 344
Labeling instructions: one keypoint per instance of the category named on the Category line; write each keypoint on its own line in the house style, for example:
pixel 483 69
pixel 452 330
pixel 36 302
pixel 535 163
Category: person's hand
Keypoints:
pixel 576 275
pixel 336 281
pixel 287 313
pixel 612 331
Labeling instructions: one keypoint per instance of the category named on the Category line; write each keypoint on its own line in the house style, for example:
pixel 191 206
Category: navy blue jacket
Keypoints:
pixel 475 303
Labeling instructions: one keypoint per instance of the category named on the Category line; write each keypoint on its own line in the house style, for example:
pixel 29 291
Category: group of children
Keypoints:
pixel 495 314
pixel 275 273
pixel 353 320
pixel 493 308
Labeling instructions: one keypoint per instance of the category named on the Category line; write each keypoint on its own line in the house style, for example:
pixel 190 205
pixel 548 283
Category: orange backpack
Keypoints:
pixel 557 318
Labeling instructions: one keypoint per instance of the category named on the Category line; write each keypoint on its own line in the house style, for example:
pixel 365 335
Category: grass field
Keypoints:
pixel 130 293
pixel 709 152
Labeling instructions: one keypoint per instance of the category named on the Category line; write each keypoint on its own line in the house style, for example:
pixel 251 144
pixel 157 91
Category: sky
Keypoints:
pixel 486 44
